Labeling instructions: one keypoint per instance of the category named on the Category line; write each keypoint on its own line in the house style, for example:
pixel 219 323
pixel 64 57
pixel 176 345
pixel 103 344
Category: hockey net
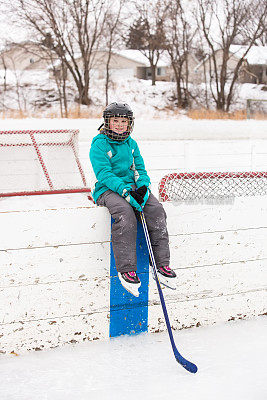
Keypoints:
pixel 211 186
pixel 40 162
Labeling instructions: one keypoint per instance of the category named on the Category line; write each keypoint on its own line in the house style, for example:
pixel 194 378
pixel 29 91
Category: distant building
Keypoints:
pixel 127 64
pixel 132 63
pixel 27 56
pixel 143 70
pixel 253 69
pixel 24 56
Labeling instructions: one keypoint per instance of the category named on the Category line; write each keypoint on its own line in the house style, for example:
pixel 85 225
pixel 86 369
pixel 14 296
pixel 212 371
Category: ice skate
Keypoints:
pixel 130 282
pixel 166 277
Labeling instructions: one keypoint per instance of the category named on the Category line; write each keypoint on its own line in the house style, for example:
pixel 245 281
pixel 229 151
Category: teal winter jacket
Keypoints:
pixel 116 165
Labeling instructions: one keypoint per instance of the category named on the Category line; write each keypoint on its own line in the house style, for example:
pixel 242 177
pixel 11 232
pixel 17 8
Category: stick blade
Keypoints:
pixel 188 365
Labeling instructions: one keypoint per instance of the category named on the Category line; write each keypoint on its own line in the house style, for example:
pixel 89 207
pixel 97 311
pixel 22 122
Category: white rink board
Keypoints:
pixel 54 265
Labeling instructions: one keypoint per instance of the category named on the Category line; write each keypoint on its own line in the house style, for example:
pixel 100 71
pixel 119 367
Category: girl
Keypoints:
pixel 123 186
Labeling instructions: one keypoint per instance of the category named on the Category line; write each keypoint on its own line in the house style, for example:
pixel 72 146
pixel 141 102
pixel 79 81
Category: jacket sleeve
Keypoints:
pixel 102 168
pixel 142 176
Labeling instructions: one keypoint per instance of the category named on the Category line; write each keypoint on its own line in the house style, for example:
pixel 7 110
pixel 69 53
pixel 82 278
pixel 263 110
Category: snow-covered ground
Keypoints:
pixel 231 360
pixel 35 92
pixel 182 128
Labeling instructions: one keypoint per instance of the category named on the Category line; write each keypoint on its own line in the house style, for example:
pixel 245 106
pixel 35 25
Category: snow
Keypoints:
pixel 24 77
pixel 252 91
pixel 182 128
pixel 37 94
pixel 231 360
pixel 256 55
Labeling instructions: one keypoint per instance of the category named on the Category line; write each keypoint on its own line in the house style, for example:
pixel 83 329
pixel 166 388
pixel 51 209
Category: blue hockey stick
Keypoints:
pixel 189 366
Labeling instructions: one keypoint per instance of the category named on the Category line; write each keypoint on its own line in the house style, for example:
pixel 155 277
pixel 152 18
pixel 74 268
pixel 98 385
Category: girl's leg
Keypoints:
pixel 124 230
pixel 156 223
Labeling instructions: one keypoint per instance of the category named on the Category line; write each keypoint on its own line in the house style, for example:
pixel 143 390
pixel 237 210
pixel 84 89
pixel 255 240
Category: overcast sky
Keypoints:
pixel 8 30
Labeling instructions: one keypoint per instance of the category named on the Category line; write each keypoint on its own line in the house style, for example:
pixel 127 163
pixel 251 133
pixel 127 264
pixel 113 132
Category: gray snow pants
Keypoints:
pixel 124 230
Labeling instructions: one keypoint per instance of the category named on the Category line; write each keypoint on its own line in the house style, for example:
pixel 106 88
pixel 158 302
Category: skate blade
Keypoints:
pixel 165 281
pixel 130 287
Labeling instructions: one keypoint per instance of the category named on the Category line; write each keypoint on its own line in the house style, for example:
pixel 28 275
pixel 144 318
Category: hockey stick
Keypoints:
pixel 189 366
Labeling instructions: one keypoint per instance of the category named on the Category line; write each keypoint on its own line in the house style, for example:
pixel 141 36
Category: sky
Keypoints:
pixel 9 31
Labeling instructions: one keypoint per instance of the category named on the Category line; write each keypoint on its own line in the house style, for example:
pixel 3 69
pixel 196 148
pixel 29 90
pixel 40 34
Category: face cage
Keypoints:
pixel 115 135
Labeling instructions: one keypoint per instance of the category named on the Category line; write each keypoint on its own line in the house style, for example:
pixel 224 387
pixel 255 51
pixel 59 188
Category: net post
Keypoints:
pixel 248 108
pixel 41 160
pixel 77 159
pixel 58 179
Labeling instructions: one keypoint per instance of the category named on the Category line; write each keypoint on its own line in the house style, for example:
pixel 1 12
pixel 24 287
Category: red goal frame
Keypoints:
pixel 69 143
pixel 166 180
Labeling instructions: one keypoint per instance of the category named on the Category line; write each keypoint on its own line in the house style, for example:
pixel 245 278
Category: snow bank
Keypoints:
pixel 153 129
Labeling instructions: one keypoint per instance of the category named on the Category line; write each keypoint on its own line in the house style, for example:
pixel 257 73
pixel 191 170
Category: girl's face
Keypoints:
pixel 118 124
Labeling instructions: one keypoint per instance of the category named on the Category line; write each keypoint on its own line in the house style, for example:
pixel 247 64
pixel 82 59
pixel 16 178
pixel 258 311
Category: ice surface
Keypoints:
pixel 231 359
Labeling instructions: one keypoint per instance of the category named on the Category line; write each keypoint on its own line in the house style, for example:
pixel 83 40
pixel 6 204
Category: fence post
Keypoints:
pixel 248 108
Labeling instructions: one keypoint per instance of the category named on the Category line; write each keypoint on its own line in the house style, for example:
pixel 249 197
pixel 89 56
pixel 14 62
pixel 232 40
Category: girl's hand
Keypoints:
pixel 133 201
pixel 143 192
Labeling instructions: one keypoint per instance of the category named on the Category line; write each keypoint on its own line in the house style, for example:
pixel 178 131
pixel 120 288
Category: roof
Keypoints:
pixel 256 55
pixel 134 55
pixel 139 57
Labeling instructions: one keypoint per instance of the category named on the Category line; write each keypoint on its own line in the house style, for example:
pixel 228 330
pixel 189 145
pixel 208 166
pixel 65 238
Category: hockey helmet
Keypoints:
pixel 118 110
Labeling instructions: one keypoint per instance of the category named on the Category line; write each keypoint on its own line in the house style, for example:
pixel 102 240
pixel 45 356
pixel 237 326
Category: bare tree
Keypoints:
pixel 179 37
pixel 262 41
pixel 112 38
pixel 5 84
pixel 14 77
pixel 147 33
pixel 75 28
pixel 59 72
pixel 258 17
pixel 44 52
pixel 222 23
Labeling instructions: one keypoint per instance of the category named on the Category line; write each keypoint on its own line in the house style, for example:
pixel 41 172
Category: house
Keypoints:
pixel 187 68
pixel 138 65
pixel 125 63
pixel 253 69
pixel 164 71
pixel 143 70
pixel 24 56
pixel 132 63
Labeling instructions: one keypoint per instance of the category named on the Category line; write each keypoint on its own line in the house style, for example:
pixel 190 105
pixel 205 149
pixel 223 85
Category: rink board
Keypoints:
pixel 59 286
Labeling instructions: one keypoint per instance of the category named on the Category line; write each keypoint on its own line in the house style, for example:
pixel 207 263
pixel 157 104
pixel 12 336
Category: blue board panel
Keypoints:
pixel 129 314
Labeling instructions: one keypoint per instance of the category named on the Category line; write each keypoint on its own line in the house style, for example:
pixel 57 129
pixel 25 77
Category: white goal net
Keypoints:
pixel 207 186
pixel 40 162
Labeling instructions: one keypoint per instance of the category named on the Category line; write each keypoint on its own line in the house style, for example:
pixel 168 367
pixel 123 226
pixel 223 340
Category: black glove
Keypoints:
pixel 138 198
pixel 141 191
